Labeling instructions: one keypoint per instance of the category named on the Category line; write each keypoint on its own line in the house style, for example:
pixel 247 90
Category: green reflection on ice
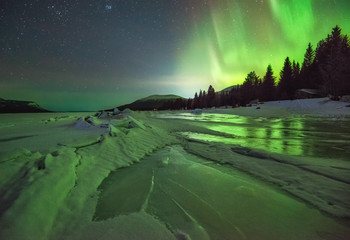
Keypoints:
pixel 298 136
pixel 283 137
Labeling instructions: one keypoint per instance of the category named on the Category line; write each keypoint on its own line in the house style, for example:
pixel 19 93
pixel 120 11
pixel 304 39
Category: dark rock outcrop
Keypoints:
pixel 15 106
pixel 153 102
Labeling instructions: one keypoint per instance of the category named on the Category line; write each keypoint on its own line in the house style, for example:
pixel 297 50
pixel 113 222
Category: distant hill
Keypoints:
pixel 150 102
pixel 14 106
pixel 228 89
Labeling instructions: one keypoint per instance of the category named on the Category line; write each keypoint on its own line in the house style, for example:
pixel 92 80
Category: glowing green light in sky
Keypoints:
pixel 237 37
pixel 295 17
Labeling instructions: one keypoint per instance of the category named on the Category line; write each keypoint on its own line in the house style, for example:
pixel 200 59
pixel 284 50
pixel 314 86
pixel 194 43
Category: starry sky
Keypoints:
pixel 88 55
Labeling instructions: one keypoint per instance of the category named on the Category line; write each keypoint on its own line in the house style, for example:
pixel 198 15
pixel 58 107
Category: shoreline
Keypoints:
pixel 317 107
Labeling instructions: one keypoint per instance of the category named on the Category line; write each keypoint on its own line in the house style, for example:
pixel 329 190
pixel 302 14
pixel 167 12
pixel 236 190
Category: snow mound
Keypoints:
pixel 82 124
pixel 133 123
pixel 315 106
pixel 114 132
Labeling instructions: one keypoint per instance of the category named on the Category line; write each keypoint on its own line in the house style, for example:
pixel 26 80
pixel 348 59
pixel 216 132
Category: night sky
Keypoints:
pixel 89 55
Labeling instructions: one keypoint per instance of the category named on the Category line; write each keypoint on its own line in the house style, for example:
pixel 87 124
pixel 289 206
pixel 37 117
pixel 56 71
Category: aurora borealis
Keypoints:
pixel 88 55
pixel 241 36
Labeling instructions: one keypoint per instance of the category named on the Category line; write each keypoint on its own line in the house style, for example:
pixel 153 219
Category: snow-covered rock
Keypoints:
pixel 90 120
pixel 81 123
pixel 116 111
pixel 103 114
pixel 197 111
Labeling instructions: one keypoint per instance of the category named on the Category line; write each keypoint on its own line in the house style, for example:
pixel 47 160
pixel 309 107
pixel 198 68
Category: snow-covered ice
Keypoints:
pixel 279 172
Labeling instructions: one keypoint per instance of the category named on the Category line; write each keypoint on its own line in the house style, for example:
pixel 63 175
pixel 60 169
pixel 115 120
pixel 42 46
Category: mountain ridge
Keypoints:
pixel 17 106
pixel 151 102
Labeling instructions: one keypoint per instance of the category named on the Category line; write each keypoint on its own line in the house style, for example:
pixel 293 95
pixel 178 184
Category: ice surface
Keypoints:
pixel 63 179
pixel 299 136
pixel 205 202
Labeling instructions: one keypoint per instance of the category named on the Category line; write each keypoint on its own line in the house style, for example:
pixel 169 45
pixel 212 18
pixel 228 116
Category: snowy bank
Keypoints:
pixel 283 108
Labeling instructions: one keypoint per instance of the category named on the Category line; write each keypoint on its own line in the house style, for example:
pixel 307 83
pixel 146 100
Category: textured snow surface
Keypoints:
pixel 142 176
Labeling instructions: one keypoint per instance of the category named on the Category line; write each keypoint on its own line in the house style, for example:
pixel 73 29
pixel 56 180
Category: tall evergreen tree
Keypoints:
pixel 285 85
pixel 308 57
pixel 223 99
pixel 268 85
pixel 248 89
pixel 296 75
pixel 204 100
pixel 295 68
pixel 332 58
pixel 211 97
pixel 195 101
pixel 308 78
pixel 200 99
pixel 234 96
pixel 189 103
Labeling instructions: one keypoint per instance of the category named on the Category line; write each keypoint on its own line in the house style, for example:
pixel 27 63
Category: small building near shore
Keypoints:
pixel 307 93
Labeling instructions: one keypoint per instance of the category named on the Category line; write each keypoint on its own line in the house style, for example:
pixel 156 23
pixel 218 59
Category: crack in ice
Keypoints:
pixel 145 204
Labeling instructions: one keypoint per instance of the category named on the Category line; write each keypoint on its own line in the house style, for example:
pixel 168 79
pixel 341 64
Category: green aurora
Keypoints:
pixel 237 37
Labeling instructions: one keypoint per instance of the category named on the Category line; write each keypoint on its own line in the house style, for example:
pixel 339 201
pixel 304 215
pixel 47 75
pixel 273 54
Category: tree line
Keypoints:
pixel 326 70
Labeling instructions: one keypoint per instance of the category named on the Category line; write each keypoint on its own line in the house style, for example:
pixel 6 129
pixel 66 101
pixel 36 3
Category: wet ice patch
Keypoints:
pixel 206 117
pixel 292 148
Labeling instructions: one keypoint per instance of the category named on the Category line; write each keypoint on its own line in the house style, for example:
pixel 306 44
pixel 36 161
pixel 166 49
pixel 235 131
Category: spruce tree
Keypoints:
pixel 332 58
pixel 308 58
pixel 308 79
pixel 200 99
pixel 296 75
pixel 249 87
pixel 268 85
pixel 204 100
pixel 211 97
pixel 195 101
pixel 285 85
